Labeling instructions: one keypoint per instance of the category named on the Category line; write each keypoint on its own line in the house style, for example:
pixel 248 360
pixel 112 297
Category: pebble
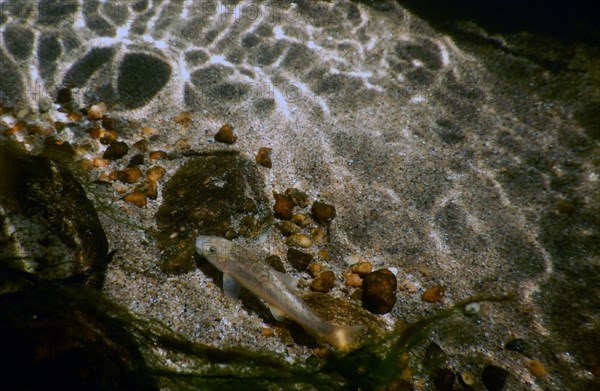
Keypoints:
pixel 141 145
pixel 136 160
pixel 317 235
pixel 424 270
pixel 408 286
pixel 494 378
pixel 379 291
pixel 444 380
pixel 516 345
pixel 74 117
pixel 362 268
pixel 157 155
pixel 108 137
pixel 129 175
pixel 99 162
pixel 301 219
pixel 120 187
pixel 136 198
pixel 323 255
pixel 472 308
pixel 155 173
pixel 322 213
pixel 283 206
pixel 149 188
pixel 226 135
pixel 96 112
pixel 183 118
pixel 353 280
pixel 64 95
pixel 591 360
pixel 323 282
pixel 298 240
pixel 116 150
pixel 315 268
pixel 275 262
pixel 267 331
pixel 148 131
pixel 536 368
pixel 263 157
pixel 109 123
pixel 300 198
pixel 287 228
pixel 433 295
pixel 467 378
pixel 299 259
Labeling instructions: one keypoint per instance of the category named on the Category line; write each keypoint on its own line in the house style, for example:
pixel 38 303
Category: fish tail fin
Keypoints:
pixel 345 337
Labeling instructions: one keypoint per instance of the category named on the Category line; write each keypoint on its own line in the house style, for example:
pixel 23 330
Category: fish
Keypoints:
pixel 243 267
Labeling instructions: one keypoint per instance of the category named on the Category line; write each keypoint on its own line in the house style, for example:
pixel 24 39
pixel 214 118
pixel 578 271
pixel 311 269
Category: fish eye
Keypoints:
pixel 212 249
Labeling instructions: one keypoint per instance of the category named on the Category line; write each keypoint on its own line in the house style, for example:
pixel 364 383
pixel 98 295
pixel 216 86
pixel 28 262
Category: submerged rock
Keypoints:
pixel 220 195
pixel 48 227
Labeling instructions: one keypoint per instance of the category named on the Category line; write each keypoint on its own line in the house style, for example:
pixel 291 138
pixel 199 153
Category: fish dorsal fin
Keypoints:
pixel 288 280
pixel 230 287
pixel 278 314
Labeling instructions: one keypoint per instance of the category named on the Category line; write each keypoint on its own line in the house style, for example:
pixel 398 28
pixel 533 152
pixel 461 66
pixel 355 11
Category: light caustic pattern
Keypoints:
pixel 267 57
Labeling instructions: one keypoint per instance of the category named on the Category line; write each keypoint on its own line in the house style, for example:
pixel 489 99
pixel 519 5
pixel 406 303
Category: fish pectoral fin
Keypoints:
pixel 288 280
pixel 230 287
pixel 278 314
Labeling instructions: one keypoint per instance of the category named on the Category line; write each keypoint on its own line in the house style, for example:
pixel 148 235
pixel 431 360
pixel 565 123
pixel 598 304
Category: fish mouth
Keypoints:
pixel 200 242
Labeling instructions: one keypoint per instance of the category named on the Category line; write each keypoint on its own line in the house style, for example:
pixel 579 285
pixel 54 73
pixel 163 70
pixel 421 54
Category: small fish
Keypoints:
pixel 241 266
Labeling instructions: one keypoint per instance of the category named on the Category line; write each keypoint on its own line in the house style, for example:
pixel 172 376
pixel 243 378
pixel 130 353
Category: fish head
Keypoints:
pixel 214 249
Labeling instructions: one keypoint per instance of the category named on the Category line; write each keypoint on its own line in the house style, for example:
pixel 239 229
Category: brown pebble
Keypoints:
pixel 148 131
pixel 408 286
pixel 362 268
pixel 136 160
pixel 116 150
pixel 184 118
pixel 108 137
pixel 141 145
pixel 87 164
pixel 424 270
pixel 136 198
pixel 323 282
pixel 275 262
pixel 74 117
pixel 103 177
pixel 129 175
pixel 287 228
pixel 15 128
pixel 536 368
pixel 301 219
pixel 352 279
pixel 379 291
pixel 267 331
pixel 323 255
pixel 99 162
pixel 263 157
pixel 322 213
pixel 226 135
pixel 283 207
pixel 120 187
pixel 109 123
pixel 298 197
pixel 315 268
pixel 298 240
pixel 155 173
pixel 157 155
pixel 299 259
pixel 317 235
pixel 433 295
pixel 96 112
pixel 149 188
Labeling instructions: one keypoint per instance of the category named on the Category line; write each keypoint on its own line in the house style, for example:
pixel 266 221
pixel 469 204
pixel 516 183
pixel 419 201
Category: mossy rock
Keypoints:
pixel 220 195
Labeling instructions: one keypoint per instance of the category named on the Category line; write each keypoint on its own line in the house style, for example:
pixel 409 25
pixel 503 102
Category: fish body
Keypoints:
pixel 240 265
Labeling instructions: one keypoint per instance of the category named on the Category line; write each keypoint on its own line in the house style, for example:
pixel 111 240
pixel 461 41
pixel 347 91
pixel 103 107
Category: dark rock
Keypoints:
pixel 48 227
pixel 322 213
pixel 516 345
pixel 379 291
pixel 444 380
pixel 116 150
pixel 323 282
pixel 54 338
pixel 494 378
pixel 136 160
pixel 275 262
pixel 284 206
pixel 299 259
pixel 435 358
pixel 64 95
pixel 219 195
pixel 287 228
